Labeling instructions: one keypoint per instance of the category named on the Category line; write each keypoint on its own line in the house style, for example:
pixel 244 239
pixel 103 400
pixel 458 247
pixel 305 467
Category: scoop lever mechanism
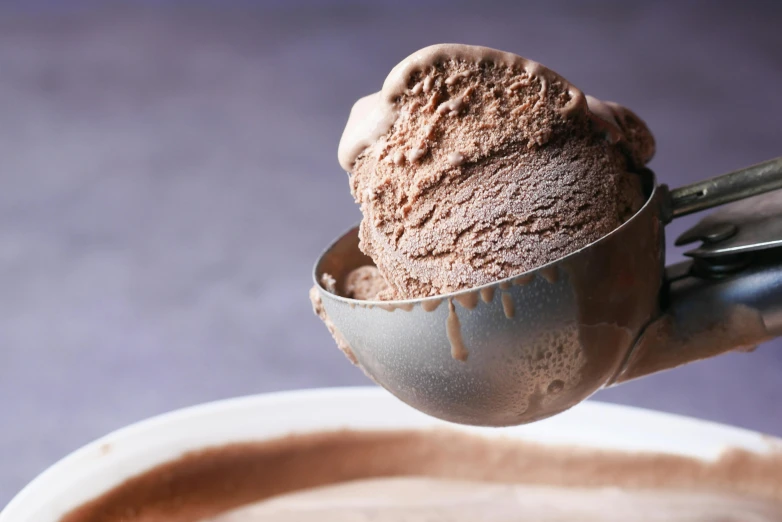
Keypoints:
pixel 729 295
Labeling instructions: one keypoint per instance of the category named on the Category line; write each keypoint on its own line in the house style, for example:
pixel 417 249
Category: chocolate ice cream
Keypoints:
pixel 417 499
pixel 365 283
pixel 440 475
pixel 472 165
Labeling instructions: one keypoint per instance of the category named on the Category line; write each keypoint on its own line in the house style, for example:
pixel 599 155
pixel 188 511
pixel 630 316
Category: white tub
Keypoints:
pixel 109 461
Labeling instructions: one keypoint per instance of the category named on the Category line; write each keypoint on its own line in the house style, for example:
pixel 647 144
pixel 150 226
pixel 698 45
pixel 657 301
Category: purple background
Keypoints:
pixel 169 176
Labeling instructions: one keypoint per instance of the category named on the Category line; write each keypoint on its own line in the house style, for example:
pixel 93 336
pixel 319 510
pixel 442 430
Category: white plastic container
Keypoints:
pixel 111 460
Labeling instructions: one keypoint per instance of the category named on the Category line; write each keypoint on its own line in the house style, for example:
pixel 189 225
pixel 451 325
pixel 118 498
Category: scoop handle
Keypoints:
pixel 740 184
pixel 708 316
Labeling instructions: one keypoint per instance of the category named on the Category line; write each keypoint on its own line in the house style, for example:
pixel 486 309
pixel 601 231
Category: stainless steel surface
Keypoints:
pixel 743 226
pixel 596 323
pixel 740 184
pixel 571 328
pixel 705 317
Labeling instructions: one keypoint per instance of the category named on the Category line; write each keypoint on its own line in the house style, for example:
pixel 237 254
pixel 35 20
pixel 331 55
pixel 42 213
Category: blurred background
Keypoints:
pixel 168 176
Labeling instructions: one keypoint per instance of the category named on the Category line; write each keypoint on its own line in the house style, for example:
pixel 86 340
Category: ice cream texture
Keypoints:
pixel 472 165
pixel 416 499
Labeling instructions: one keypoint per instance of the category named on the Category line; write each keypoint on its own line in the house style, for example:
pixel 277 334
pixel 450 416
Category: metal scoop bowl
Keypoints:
pixel 528 347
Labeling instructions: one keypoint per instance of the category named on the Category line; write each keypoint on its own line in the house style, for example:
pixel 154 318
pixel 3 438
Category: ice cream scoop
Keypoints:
pixel 529 346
